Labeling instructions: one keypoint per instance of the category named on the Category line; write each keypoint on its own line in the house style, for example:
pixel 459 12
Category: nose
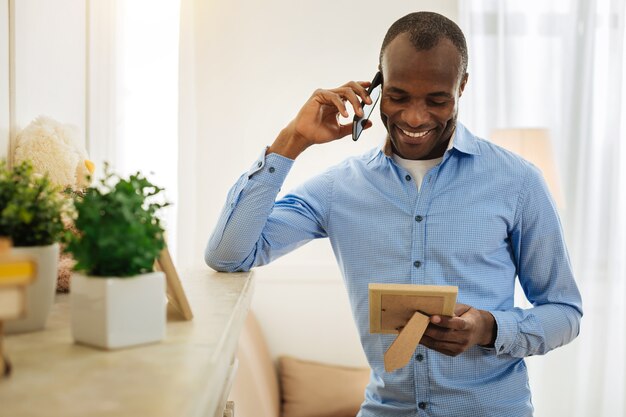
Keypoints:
pixel 415 115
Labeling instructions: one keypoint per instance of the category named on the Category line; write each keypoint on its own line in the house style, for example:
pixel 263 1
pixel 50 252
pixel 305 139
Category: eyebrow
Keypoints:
pixel 441 94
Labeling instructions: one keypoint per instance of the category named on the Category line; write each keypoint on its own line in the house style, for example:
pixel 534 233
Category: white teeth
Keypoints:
pixel 415 134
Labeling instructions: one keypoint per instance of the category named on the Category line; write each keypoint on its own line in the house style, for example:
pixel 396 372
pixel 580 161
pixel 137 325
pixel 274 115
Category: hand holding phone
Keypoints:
pixel 374 92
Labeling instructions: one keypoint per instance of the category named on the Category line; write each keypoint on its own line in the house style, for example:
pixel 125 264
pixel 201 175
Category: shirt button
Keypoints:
pixel 419 357
pixel 408 178
pixel 259 164
pixel 418 218
pixel 271 170
pixel 417 264
pixel 422 405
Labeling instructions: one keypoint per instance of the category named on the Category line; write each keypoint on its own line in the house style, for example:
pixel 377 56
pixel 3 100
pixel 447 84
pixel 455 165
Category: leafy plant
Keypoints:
pixel 119 234
pixel 31 207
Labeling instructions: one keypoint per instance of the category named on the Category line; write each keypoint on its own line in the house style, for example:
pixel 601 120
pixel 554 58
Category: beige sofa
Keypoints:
pixel 291 387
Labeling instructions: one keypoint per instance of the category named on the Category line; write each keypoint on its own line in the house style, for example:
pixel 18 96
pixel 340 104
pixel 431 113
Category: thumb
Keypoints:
pixel 345 130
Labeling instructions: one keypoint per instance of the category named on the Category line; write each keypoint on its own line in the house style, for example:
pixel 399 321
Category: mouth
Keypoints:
pixel 415 134
pixel 414 137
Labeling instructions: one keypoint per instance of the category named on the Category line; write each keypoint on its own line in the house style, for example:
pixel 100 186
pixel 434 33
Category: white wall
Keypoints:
pixel 49 58
pixel 263 61
pixel 4 78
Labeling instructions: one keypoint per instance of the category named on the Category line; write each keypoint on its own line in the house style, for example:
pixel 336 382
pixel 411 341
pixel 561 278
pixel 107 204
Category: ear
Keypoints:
pixel 463 82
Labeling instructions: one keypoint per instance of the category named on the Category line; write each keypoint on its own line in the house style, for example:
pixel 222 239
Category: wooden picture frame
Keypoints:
pixel 392 305
pixel 175 292
pixel 405 309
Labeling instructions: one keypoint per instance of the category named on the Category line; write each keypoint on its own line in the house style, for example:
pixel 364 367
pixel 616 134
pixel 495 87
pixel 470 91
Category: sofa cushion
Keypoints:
pixel 313 389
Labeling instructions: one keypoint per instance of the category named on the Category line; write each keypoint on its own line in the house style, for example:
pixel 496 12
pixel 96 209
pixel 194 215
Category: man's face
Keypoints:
pixel 421 90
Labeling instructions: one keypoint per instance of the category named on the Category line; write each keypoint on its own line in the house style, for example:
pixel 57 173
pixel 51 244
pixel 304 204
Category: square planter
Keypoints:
pixel 39 294
pixel 111 312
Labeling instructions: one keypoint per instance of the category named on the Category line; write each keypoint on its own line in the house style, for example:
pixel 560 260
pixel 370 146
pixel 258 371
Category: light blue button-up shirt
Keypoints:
pixel 482 217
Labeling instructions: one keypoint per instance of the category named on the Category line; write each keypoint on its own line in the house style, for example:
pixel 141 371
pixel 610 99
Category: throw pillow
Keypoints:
pixel 312 389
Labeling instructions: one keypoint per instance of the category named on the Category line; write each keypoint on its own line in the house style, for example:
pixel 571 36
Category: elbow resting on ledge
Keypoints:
pixel 221 264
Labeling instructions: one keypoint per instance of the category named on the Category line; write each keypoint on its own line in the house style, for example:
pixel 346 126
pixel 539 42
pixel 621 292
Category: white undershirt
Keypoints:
pixel 419 167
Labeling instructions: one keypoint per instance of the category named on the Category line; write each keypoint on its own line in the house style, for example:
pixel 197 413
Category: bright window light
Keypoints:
pixel 147 96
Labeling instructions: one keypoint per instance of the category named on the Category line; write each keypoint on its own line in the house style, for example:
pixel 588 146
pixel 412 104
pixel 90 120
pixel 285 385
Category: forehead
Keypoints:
pixel 403 66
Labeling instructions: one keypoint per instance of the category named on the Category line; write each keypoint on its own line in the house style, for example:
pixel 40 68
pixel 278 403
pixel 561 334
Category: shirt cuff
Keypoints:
pixel 507 331
pixel 271 169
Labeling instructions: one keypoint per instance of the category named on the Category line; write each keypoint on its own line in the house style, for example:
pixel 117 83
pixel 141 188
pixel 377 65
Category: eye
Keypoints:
pixel 396 99
pixel 437 103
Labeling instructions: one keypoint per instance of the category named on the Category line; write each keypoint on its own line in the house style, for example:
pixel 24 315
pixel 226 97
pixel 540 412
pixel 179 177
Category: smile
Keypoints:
pixel 415 134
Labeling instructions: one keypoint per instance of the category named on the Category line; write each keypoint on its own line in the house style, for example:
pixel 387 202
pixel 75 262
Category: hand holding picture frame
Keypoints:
pixel 405 309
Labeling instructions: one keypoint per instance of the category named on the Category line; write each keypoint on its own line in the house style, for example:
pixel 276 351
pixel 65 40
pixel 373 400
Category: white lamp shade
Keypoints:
pixel 535 146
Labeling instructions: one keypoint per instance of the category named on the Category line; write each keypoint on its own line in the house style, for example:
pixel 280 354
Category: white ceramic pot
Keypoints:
pixel 39 294
pixel 113 312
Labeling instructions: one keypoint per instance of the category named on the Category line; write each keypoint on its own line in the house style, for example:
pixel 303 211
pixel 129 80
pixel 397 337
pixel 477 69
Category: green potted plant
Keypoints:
pixel 117 299
pixel 31 210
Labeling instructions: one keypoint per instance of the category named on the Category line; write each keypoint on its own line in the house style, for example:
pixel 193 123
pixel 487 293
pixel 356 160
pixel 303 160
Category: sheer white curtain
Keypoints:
pixel 561 64
pixel 133 92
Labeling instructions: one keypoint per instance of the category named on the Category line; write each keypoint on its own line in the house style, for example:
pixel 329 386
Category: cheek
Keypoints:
pixel 383 117
pixel 445 115
pixel 385 113
pixel 388 111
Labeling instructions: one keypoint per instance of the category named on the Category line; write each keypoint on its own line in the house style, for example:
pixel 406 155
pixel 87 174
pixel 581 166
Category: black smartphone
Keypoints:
pixel 374 92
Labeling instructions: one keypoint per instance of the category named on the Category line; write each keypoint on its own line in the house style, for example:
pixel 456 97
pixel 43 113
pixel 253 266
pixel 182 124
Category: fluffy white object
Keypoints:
pixel 54 148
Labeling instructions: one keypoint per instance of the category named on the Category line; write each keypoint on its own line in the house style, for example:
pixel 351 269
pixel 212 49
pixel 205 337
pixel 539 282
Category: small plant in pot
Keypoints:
pixel 31 211
pixel 117 299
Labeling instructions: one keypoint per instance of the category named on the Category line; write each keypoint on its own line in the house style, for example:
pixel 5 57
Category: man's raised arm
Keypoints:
pixel 251 230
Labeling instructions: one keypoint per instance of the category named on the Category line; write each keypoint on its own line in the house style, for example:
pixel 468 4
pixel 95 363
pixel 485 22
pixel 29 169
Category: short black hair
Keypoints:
pixel 425 30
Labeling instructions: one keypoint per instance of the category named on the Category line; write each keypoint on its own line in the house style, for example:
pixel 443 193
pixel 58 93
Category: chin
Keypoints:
pixel 415 148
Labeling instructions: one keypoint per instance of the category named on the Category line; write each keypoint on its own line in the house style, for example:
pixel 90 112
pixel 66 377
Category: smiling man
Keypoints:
pixel 421 91
pixel 434 205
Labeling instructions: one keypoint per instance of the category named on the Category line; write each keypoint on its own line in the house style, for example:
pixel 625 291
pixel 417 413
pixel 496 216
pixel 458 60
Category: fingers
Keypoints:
pixel 445 340
pixel 352 92
pixel 454 335
pixel 360 88
pixel 445 347
pixel 445 334
pixel 460 309
pixel 326 97
pixel 367 124
pixel 454 323
pixel 318 120
pixel 345 130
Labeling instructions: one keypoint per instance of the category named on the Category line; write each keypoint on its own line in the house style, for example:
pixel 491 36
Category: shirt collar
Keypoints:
pixel 465 141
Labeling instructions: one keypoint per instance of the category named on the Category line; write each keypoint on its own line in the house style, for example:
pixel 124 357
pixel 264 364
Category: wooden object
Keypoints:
pixel 16 273
pixel 405 309
pixel 401 350
pixel 184 376
pixel 175 293
pixel 5 365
